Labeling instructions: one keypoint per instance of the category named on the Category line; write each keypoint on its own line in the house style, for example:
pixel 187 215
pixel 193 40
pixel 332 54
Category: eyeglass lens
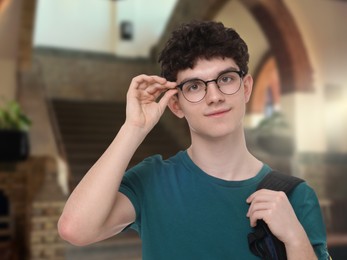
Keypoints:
pixel 228 83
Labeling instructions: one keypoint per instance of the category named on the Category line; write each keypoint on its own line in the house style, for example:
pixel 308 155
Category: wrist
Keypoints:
pixel 132 133
pixel 296 239
pixel 134 128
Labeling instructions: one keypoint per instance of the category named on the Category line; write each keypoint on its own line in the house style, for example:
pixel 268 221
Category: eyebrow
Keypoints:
pixel 220 73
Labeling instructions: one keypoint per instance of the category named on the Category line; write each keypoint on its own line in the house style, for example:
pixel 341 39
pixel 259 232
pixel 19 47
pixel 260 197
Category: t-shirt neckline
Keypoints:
pixel 194 169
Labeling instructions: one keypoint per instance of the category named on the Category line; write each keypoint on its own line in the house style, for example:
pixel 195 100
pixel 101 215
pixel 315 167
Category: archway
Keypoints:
pixel 267 88
pixel 285 42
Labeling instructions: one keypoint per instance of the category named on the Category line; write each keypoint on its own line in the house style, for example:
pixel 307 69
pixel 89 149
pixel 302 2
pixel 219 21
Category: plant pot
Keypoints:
pixel 14 145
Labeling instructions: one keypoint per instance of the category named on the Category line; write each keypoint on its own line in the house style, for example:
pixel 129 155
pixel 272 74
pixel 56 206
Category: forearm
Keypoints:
pixel 91 202
pixel 299 247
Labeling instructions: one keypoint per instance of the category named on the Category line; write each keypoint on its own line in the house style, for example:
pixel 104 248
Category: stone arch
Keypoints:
pixel 286 44
pixel 267 81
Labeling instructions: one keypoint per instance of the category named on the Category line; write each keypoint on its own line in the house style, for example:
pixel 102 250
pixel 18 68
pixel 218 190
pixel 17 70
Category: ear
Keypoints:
pixel 247 87
pixel 175 106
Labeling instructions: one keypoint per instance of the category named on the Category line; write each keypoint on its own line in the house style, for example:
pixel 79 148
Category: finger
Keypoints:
pixel 162 81
pixel 155 91
pixel 258 215
pixel 146 81
pixel 259 206
pixel 265 197
pixel 154 88
pixel 158 79
pixel 164 101
pixel 262 194
pixel 141 81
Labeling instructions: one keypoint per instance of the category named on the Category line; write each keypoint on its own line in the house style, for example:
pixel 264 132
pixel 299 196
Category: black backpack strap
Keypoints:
pixel 262 242
pixel 279 182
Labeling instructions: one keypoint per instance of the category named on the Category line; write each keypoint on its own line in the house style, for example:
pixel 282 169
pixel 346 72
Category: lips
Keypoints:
pixel 218 112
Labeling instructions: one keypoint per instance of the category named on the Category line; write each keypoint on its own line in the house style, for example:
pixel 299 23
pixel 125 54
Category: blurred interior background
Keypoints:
pixel 68 65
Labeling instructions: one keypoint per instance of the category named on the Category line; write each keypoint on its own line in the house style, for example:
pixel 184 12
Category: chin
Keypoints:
pixel 216 133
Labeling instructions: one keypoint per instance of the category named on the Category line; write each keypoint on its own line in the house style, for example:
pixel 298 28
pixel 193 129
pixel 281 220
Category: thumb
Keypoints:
pixel 164 101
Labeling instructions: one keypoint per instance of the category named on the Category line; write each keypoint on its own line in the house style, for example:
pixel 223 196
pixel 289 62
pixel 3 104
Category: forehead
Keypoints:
pixel 206 69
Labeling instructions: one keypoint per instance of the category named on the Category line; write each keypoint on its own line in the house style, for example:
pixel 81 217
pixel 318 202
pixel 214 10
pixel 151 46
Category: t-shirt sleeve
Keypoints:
pixel 308 211
pixel 131 187
pixel 134 183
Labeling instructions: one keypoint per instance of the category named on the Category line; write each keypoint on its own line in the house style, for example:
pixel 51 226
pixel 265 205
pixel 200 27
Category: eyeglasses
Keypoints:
pixel 228 83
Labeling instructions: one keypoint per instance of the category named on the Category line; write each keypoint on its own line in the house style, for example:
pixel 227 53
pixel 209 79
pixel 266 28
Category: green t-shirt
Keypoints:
pixel 184 213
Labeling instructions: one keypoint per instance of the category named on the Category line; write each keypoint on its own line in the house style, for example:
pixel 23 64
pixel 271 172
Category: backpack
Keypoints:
pixel 262 242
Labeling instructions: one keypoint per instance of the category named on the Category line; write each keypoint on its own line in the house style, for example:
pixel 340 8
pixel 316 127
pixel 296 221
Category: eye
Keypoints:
pixel 193 86
pixel 226 78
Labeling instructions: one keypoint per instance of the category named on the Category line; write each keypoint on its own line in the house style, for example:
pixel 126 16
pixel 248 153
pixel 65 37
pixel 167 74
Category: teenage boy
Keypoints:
pixel 202 202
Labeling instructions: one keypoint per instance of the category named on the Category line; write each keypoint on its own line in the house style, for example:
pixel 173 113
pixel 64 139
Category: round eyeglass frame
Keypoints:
pixel 239 72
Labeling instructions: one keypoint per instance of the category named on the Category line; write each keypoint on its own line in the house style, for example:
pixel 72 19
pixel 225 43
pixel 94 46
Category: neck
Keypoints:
pixel 225 158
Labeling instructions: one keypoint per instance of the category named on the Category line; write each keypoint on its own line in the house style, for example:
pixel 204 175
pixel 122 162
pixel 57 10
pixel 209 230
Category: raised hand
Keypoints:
pixel 143 107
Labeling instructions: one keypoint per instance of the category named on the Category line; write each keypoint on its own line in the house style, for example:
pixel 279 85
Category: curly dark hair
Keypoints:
pixel 201 39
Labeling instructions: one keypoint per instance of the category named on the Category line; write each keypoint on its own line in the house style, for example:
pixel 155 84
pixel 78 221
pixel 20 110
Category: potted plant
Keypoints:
pixel 274 135
pixel 14 127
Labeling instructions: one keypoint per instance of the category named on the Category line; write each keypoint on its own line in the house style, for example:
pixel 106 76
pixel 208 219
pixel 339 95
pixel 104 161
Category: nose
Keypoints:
pixel 213 94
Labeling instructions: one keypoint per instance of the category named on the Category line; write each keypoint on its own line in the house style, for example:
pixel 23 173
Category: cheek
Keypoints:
pixel 191 117
pixel 241 110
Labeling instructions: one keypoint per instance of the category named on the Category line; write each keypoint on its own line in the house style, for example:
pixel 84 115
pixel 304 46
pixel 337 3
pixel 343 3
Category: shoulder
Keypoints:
pixel 149 162
pixel 303 191
pixel 304 200
pixel 151 166
pixel 157 161
pixel 277 181
pixel 295 187
pixel 299 192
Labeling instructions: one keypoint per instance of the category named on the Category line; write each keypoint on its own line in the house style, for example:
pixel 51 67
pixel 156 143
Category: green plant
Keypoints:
pixel 274 135
pixel 275 124
pixel 13 118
